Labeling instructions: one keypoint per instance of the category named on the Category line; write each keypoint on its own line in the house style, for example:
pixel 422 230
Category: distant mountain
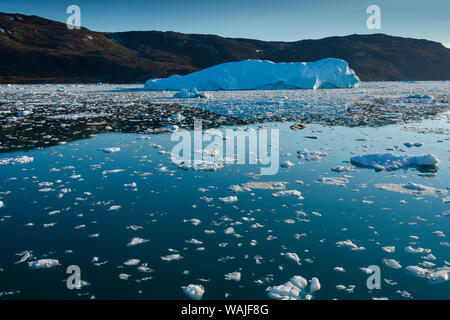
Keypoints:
pixel 34 49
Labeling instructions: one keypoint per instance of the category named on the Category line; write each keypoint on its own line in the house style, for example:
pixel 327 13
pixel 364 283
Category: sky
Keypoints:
pixel 283 20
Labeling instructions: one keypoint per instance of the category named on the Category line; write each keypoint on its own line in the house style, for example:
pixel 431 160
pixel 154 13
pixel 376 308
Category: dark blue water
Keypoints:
pixel 164 200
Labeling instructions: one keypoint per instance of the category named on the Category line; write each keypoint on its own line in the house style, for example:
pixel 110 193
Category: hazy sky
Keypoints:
pixel 259 19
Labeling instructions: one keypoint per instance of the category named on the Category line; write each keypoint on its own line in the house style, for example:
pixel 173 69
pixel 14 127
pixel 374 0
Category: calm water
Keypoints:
pixel 164 200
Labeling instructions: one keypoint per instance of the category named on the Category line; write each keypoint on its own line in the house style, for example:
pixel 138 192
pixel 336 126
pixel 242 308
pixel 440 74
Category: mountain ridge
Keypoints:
pixel 34 49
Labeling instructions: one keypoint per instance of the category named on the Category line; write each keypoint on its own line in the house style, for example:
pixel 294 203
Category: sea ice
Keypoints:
pixel 194 291
pixel 43 264
pixel 16 160
pixel 333 181
pixel 135 241
pixel 235 276
pixel 412 188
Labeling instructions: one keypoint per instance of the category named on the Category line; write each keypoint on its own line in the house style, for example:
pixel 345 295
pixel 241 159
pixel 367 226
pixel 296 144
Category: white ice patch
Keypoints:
pixel 135 241
pixel 308 155
pixel 292 256
pixel 412 188
pixel 43 264
pixel 200 165
pixel 392 263
pixel 288 193
pixel 294 289
pixel 266 185
pixel 16 160
pixel 333 181
pixel 189 94
pixel 229 199
pixel 110 150
pixel 194 291
pixel 172 257
pixel 235 276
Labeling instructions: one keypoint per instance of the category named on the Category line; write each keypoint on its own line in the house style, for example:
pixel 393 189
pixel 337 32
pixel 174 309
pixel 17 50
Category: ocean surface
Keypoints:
pixel 140 227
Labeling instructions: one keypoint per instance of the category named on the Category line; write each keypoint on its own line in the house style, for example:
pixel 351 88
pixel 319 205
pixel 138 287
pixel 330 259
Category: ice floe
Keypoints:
pixel 16 160
pixel 333 181
pixel 412 188
pixel 263 74
pixel 294 289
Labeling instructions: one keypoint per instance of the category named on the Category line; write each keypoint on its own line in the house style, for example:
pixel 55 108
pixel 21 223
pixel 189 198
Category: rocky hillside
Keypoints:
pixel 34 49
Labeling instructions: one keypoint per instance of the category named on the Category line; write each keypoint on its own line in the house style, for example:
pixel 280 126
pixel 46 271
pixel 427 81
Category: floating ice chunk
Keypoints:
pixel 237 188
pixel 189 93
pixel 416 250
pixel 25 255
pixel 389 249
pixel 292 256
pixel 287 193
pixel 417 271
pixel 114 208
pixel 266 185
pixel 194 241
pixel 2 204
pixel 308 155
pixel 169 129
pixel 349 244
pixel 194 291
pixel 286 164
pixel 17 160
pixel 229 230
pixel 412 188
pixel 333 181
pixel 390 161
pixel 110 150
pixel 229 199
pixel 124 276
pixel 315 285
pixel 194 222
pixel 342 169
pixel 263 74
pixel 413 144
pixel 172 257
pixel 299 282
pixel 235 276
pixel 392 263
pixel 339 269
pixel 287 291
pixel 200 165
pixel 294 289
pixel 43 264
pixel 135 241
pixel 132 262
pixel 439 275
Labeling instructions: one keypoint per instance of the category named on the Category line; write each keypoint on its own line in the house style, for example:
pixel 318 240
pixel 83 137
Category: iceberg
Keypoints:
pixel 263 75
